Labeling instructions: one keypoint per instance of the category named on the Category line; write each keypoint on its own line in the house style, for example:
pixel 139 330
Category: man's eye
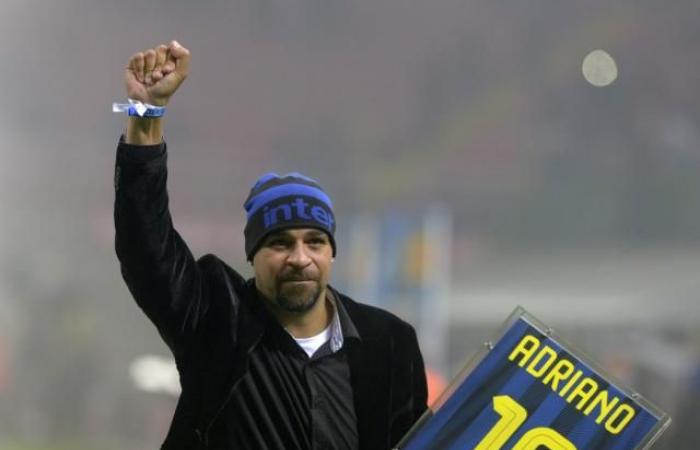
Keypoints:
pixel 317 242
pixel 278 243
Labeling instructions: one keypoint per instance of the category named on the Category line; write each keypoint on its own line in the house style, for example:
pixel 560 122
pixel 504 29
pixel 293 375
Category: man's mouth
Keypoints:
pixel 294 279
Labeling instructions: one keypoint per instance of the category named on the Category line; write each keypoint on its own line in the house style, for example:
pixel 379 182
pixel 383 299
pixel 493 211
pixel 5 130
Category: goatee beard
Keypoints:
pixel 298 302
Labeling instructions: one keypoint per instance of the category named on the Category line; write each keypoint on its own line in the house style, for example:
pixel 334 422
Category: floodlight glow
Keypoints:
pixel 599 68
pixel 155 374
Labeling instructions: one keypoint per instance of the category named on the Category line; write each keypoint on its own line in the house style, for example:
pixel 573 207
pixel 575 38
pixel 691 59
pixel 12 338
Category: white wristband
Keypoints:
pixel 139 109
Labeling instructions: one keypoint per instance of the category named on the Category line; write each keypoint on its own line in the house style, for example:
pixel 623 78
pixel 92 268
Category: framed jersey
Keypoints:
pixel 532 391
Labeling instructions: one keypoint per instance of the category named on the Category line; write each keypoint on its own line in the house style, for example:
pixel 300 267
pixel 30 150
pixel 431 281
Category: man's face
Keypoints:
pixel 292 268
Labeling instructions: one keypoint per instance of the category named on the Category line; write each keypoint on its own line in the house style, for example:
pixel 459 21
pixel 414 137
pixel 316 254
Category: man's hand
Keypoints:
pixel 154 75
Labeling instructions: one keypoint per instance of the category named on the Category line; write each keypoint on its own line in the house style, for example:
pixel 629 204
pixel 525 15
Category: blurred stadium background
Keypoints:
pixel 472 165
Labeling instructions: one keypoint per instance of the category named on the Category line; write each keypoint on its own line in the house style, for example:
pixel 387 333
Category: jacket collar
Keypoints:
pixel 370 370
pixel 342 327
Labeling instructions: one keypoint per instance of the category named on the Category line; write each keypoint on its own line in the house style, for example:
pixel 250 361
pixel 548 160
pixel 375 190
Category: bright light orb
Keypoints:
pixel 152 373
pixel 599 68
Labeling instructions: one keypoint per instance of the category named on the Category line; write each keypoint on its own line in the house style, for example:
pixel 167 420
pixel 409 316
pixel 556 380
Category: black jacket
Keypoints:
pixel 206 314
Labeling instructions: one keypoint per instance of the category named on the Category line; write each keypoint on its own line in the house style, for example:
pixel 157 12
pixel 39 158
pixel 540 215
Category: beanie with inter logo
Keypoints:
pixel 277 202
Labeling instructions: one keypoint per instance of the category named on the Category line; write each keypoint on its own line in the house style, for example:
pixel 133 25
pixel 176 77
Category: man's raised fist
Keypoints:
pixel 153 76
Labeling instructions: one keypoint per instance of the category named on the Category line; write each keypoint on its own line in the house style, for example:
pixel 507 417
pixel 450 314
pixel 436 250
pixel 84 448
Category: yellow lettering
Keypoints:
pixel 557 374
pixel 526 347
pixel 616 428
pixel 545 352
pixel 571 382
pixel 585 390
pixel 605 405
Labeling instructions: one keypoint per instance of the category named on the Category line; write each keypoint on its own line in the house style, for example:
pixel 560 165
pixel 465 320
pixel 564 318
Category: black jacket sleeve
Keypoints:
pixel 156 264
pixel 413 403
pixel 420 383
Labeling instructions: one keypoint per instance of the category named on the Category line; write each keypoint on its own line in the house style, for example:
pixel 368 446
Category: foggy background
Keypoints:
pixel 469 119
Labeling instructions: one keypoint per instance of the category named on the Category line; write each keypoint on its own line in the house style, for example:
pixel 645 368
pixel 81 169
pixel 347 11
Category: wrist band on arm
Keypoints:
pixel 139 109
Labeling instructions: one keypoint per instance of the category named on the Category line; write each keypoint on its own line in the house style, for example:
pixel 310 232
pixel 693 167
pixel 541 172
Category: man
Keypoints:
pixel 281 361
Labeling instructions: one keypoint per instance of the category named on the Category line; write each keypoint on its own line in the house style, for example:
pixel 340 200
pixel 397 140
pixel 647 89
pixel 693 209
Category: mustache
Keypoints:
pixel 297 276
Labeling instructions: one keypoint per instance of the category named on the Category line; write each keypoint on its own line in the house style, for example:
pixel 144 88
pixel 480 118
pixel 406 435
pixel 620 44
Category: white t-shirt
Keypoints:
pixel 313 343
pixel 333 332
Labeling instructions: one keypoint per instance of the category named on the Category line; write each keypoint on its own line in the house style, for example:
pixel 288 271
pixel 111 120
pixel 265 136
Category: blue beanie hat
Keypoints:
pixel 289 201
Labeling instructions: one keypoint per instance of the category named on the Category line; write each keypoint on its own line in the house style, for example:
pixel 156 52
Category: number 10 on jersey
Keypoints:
pixel 513 415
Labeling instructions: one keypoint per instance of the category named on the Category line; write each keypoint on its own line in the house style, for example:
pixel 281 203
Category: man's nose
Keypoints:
pixel 299 256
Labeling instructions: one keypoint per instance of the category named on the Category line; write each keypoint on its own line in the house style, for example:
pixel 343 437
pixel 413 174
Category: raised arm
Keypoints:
pixel 155 262
pixel 153 76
